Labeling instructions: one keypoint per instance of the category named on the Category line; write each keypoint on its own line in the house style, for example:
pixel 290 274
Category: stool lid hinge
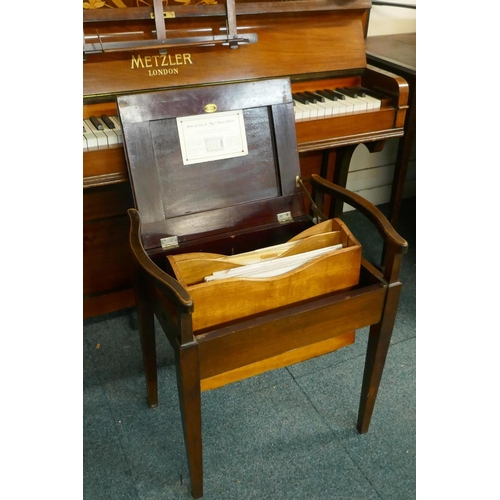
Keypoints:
pixel 169 242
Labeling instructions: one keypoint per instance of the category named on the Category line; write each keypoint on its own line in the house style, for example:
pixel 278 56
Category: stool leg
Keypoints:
pixel 145 317
pixel 188 384
pixel 378 346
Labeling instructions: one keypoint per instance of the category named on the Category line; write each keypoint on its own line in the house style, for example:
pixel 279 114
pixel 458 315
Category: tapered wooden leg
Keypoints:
pixel 188 383
pixel 145 318
pixel 378 345
pixel 342 163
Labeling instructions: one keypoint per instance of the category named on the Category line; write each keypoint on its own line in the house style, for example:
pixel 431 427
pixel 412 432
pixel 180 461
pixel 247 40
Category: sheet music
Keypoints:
pixel 273 267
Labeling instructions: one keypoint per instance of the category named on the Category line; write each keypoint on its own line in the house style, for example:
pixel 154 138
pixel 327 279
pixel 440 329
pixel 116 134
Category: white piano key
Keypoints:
pixel 302 112
pixel 326 106
pixel 313 111
pixel 90 137
pixel 118 128
pixel 319 111
pixel 336 108
pixel 373 102
pixel 102 140
pixel 339 107
pixel 358 104
pixel 111 135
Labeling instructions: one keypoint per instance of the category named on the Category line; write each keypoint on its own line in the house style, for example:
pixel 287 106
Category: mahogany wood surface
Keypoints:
pixel 300 46
pixel 279 361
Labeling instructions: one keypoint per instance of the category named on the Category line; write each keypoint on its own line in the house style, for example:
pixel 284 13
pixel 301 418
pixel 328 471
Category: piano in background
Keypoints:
pixel 319 44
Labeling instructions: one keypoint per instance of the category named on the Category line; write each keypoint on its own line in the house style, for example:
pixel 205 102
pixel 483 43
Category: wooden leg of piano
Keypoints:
pixel 342 162
pixel 378 345
pixel 188 384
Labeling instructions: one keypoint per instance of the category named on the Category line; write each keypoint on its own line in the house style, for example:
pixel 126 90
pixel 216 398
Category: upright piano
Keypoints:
pixel 134 46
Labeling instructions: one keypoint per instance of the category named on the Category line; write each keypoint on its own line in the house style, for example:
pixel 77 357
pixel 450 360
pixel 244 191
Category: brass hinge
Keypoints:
pixel 284 217
pixel 169 242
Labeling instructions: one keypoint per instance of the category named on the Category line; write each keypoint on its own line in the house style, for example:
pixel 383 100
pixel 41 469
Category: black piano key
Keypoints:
pixel 357 91
pixel 327 95
pixel 316 97
pixel 97 124
pixel 301 98
pixel 349 92
pixel 372 93
pixel 309 97
pixel 339 95
pixel 330 94
pixel 107 121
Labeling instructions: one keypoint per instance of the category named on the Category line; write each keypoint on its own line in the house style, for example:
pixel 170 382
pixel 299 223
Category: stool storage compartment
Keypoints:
pixel 308 266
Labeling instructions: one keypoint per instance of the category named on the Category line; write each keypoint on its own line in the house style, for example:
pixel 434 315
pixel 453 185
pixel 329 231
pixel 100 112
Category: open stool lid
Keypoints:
pixel 211 159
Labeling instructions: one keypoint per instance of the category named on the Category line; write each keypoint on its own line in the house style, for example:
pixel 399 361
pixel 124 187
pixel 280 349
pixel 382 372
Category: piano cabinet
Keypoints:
pixel 107 279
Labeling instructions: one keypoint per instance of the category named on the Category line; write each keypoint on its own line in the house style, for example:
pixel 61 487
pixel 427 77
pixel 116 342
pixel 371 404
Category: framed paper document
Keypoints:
pixel 212 137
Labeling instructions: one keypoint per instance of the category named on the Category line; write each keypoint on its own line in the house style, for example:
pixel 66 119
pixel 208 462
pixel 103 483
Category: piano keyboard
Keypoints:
pixel 101 133
pixel 328 102
pixel 105 132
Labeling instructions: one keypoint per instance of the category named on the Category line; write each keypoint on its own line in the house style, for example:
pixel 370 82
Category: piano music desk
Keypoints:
pixel 397 53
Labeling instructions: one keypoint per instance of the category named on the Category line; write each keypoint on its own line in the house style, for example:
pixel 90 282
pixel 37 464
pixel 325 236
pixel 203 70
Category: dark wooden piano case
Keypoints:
pixel 246 198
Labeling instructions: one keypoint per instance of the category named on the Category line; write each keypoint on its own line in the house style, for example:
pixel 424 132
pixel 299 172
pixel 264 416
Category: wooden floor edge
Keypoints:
pixel 285 359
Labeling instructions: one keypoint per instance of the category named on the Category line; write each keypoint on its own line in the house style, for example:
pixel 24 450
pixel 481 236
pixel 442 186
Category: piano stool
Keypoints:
pixel 208 210
pixel 287 434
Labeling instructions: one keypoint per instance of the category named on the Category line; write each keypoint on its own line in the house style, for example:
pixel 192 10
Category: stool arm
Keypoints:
pixel 149 270
pixel 395 244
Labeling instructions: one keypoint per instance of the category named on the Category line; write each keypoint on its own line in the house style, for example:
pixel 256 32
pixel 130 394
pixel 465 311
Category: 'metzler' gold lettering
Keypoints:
pixel 159 61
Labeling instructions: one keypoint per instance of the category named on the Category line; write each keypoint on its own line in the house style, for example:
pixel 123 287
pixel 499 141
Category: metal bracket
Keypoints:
pixel 319 214
pixel 284 217
pixel 231 38
pixel 169 242
pixel 166 15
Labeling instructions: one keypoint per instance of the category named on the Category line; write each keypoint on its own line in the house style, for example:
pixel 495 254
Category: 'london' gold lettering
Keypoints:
pixel 160 72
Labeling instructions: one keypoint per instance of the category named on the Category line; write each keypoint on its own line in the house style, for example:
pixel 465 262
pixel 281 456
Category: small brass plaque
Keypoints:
pixel 210 108
pixel 166 15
